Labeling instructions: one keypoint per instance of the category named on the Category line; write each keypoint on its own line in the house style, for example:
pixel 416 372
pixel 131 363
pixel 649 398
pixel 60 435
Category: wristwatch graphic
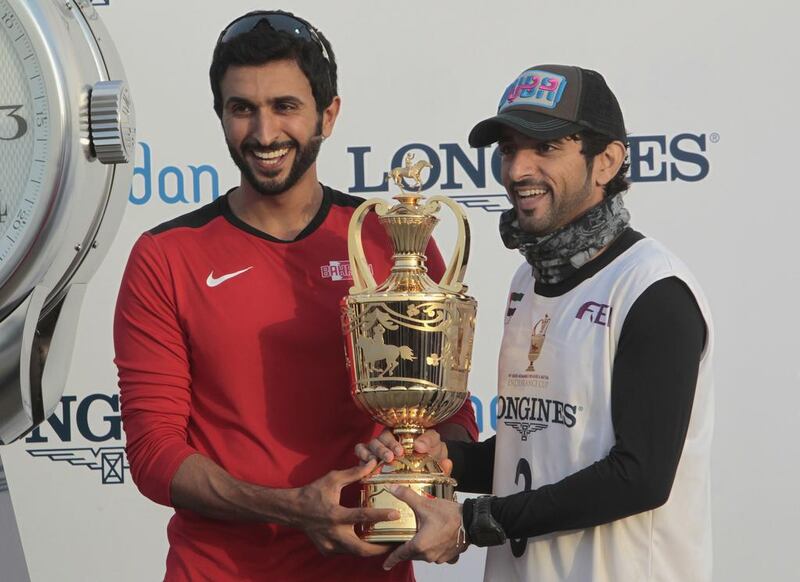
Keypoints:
pixel 66 162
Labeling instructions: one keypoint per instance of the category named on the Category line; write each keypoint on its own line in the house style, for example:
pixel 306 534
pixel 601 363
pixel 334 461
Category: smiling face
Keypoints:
pixel 272 127
pixel 549 183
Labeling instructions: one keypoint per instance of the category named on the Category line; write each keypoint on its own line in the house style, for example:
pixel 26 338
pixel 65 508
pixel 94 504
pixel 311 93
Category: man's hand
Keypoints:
pixel 202 486
pixel 386 448
pixel 437 539
pixel 331 526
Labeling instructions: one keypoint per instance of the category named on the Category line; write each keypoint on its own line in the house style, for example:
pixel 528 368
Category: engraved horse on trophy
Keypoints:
pixel 411 170
pixel 375 350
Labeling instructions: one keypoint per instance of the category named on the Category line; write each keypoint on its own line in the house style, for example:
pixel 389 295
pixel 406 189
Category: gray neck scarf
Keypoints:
pixel 558 255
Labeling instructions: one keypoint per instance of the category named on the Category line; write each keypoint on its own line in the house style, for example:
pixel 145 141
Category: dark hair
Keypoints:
pixel 593 143
pixel 263 45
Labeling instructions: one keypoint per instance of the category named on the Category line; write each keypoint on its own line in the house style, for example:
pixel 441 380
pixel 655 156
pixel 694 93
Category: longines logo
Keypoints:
pixel 525 428
pixel 457 169
pixel 110 461
pixel 470 176
pixel 97 420
pixel 527 414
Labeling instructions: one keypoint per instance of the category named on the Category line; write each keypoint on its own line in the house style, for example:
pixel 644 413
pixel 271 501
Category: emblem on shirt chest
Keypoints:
pixel 513 302
pixel 526 403
pixel 594 312
pixel 525 376
pixel 338 271
pixel 215 281
pixel 538 335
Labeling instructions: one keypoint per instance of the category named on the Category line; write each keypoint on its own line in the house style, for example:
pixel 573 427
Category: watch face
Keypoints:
pixel 24 140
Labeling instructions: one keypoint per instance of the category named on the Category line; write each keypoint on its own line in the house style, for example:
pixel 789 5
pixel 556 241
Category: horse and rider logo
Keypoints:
pixel 375 349
pixel 411 170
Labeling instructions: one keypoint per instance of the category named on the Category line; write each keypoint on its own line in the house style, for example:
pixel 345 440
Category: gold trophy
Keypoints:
pixel 408 343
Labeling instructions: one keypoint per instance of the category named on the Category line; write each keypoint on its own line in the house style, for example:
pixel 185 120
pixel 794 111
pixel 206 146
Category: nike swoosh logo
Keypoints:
pixel 213 282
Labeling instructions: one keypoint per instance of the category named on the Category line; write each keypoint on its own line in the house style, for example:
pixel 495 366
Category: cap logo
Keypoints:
pixel 539 88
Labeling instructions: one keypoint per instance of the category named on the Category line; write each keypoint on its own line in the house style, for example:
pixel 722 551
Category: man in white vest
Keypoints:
pixel 599 470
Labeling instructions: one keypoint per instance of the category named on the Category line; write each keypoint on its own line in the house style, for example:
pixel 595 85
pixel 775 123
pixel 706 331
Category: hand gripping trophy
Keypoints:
pixel 408 343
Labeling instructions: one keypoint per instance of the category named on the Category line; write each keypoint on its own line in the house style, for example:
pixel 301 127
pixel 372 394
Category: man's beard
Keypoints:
pixel 304 158
pixel 562 210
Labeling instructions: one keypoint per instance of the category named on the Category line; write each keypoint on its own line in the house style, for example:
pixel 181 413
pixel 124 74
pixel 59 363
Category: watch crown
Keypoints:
pixel 111 124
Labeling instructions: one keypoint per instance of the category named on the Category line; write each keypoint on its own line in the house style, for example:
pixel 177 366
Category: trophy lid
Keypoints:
pixel 409 225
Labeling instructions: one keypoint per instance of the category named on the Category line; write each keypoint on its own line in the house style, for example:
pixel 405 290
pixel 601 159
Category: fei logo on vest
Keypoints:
pixel 598 313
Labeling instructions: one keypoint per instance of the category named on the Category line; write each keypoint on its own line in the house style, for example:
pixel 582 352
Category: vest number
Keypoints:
pixel 519 546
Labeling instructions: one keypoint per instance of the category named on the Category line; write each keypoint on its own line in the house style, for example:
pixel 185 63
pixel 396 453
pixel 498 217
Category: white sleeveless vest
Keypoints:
pixel 554 418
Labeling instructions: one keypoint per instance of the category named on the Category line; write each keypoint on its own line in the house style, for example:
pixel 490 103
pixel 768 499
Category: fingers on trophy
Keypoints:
pixel 408 344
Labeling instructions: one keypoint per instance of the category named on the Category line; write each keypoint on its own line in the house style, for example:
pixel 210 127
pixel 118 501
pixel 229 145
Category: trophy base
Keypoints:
pixel 420 473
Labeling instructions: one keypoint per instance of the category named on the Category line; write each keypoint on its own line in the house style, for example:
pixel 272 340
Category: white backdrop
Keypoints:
pixel 710 101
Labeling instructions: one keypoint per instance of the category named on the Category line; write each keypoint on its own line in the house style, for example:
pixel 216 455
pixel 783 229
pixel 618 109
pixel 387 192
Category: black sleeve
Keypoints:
pixel 473 465
pixel 652 390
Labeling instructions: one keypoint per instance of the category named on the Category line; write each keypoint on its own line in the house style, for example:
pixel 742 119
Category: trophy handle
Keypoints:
pixel 453 277
pixel 359 268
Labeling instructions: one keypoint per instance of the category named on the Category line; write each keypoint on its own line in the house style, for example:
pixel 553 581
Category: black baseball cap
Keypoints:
pixel 552 101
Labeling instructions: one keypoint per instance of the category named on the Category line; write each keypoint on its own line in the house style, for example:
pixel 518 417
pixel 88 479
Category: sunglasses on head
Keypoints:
pixel 277 21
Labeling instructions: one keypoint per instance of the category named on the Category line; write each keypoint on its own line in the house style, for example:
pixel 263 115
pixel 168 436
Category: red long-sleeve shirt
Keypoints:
pixel 229 343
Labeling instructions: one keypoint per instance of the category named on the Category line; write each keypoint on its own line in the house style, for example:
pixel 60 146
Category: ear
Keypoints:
pixel 608 162
pixel 329 116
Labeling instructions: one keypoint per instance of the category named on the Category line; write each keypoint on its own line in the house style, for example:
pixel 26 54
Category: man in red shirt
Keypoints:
pixel 235 396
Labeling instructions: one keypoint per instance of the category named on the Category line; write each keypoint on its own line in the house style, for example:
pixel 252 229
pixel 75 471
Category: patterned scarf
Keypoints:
pixel 558 255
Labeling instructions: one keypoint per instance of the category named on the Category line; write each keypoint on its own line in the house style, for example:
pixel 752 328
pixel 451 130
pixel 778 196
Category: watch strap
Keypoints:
pixel 483 529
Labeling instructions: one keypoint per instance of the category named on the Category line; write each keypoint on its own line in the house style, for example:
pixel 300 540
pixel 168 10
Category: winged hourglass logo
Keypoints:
pixel 110 461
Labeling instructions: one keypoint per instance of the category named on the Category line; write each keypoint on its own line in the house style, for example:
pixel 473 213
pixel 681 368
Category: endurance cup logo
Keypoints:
pixel 97 420
pixel 530 377
pixel 538 335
